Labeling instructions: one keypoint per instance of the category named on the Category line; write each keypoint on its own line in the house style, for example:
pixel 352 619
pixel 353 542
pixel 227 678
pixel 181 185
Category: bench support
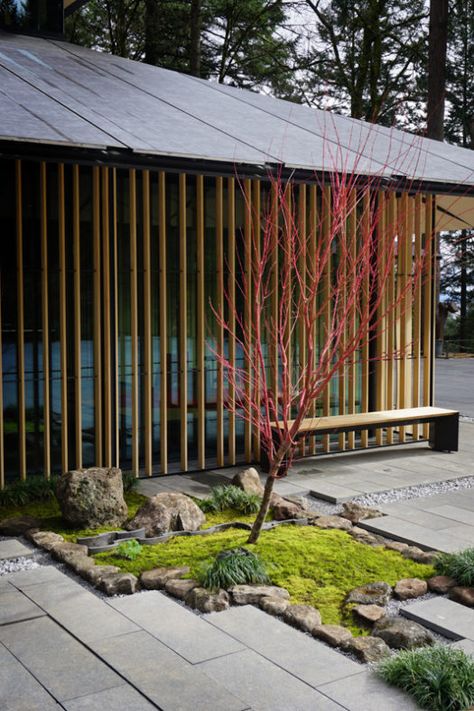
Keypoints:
pixel 444 433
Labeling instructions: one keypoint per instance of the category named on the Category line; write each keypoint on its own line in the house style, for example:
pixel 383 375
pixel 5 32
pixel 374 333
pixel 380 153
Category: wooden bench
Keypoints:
pixel 444 425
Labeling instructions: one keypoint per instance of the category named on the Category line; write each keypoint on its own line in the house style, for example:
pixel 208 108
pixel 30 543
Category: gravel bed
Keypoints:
pixel 14 565
pixel 320 505
pixel 415 492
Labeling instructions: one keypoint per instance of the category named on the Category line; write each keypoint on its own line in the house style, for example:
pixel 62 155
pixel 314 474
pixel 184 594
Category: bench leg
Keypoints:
pixel 444 433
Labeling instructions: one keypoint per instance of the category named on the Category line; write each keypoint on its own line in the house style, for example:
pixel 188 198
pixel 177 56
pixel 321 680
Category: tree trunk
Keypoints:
pixel 264 506
pixel 437 43
pixel 195 39
pixel 152 29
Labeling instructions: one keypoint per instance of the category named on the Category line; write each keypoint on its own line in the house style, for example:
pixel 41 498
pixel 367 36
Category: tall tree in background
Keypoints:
pixel 437 46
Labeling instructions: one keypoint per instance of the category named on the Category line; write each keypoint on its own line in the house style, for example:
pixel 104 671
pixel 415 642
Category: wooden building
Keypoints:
pixel 126 191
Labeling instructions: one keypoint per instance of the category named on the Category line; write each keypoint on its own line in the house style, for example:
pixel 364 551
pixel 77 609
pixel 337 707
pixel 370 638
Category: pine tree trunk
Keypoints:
pixel 437 43
pixel 195 39
pixel 264 506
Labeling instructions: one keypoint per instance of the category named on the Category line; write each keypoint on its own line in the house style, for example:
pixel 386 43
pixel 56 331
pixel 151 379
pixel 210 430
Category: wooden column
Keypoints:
pixel 402 283
pixel 248 307
pixel 391 228
pixel 63 319
pixel 20 323
pixel 116 443
pixel 326 295
pixel 76 228
pixel 313 246
pixel 231 298
pixel 134 321
pixel 183 329
pixel 201 323
pixel 365 305
pixel 107 328
pixel 220 309
pixel 417 310
pixel 302 267
pixel 45 322
pixel 342 274
pixel 255 260
pixel 147 321
pixel 352 366
pixel 97 316
pixel 163 324
pixel 380 375
pixel 428 305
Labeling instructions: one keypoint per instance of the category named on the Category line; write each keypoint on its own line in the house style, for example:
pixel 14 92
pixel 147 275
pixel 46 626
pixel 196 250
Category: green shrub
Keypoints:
pixel 129 481
pixel 439 678
pixel 236 566
pixel 459 566
pixel 32 490
pixel 230 497
pixel 130 550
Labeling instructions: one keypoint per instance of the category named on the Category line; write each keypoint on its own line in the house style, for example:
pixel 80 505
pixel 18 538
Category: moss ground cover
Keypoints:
pixel 318 567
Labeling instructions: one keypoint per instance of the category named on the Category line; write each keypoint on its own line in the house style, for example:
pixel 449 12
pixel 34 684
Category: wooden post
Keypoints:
pixel 163 324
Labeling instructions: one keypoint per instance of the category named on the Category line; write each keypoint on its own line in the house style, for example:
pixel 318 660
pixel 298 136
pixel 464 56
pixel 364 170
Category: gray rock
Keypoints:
pixel 249 481
pixel 180 588
pixel 441 584
pixel 397 546
pixel 46 539
pixel 400 633
pixel 368 649
pixel 157 578
pixel 332 522
pixel 17 525
pixel 96 574
pixel 81 564
pixel 252 594
pixel 168 512
pixel 284 510
pixel 370 613
pixel 363 536
pixel 356 512
pixel 90 498
pixel 371 594
pixel 410 588
pixel 273 605
pixel 66 551
pixel 464 595
pixel 118 584
pixel 206 601
pixel 419 556
pixel 303 617
pixel 335 635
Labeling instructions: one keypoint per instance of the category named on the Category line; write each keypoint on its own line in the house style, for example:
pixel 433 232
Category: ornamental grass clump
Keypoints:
pixel 31 490
pixel 439 678
pixel 223 498
pixel 236 566
pixel 459 566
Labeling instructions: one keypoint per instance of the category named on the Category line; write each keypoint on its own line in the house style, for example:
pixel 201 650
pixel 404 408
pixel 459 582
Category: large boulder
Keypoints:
pixel 304 617
pixel 167 512
pixel 249 481
pixel 252 594
pixel 208 600
pixel 400 633
pixel 90 498
pixel 157 578
pixel 368 649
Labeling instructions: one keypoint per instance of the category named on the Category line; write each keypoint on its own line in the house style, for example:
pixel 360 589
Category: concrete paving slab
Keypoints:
pixel 19 690
pixel 12 548
pixel 265 686
pixel 164 677
pixel 366 692
pixel 37 576
pixel 306 658
pixel 120 698
pixel 58 661
pixel 14 607
pixel 331 492
pixel 176 626
pixel 5 585
pixel 464 532
pixel 81 612
pixel 427 519
pixel 408 532
pixel 466 645
pixel 455 513
pixel 442 615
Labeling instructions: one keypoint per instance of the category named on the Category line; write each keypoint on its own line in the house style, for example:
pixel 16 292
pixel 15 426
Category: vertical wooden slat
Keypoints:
pixel 288 269
pixel 248 307
pixel 231 297
pixel 313 237
pixel 201 323
pixel 341 376
pixel 63 319
pixel 147 321
pixel 409 307
pixel 183 329
pixel 45 322
pixel 391 296
pixel 402 281
pixel 427 306
pixel 220 308
pixel 76 227
pixel 2 446
pixel 106 293
pixel 326 316
pixel 302 267
pixel 364 435
pixel 352 366
pixel 417 311
pixel 116 322
pixel 134 322
pixel 163 324
pixel 380 331
pixel 97 316
pixel 20 322
pixel 256 259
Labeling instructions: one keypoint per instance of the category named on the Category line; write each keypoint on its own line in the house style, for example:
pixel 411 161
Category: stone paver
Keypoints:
pixel 442 615
pixel 119 698
pixel 163 676
pixel 59 662
pixel 265 686
pixel 466 645
pixel 304 657
pixel 414 534
pixel 14 607
pixel 12 548
pixel 365 692
pixel 176 626
pixel 19 690
pixel 36 576
pixel 451 377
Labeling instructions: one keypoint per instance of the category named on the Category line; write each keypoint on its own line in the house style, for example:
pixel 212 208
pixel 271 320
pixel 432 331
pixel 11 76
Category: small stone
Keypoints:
pixel 371 594
pixel 251 594
pixel 119 584
pixel 441 584
pixel 17 525
pixel 304 617
pixel 274 605
pixel 206 601
pixel 370 613
pixel 363 536
pixel 249 481
pixel 335 635
pixel 333 522
pixel 396 546
pixel 97 573
pixel 79 562
pixel 65 551
pixel 464 595
pixel 157 578
pixel 400 633
pixel 416 554
pixel 356 512
pixel 368 649
pixel 46 539
pixel 285 510
pixel 409 588
pixel 180 588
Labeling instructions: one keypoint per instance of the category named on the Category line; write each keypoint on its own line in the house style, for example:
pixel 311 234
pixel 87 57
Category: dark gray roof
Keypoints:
pixel 53 92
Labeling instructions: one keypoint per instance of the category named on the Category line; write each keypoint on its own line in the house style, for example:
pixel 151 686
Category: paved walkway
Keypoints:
pixel 454 384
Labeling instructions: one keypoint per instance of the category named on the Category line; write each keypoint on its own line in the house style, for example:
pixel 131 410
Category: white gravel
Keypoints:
pixel 14 565
pixel 414 492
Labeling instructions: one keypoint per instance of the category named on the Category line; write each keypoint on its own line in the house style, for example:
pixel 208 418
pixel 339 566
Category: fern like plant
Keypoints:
pixel 230 497
pixel 130 549
pixel 236 566
pixel 459 566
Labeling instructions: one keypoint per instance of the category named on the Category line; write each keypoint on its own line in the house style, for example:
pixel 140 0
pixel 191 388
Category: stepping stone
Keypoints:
pixel 168 680
pixel 14 607
pixel 466 645
pixel 450 618
pixel 12 548
pixel 19 690
pixel 58 661
pixel 37 576
pixel 180 629
pixel 366 692
pixel 414 534
pixel 308 659
pixel 120 698
pixel 263 686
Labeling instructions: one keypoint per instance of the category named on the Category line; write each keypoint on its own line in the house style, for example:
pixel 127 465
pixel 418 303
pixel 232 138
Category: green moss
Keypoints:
pixel 228 516
pixel 318 567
